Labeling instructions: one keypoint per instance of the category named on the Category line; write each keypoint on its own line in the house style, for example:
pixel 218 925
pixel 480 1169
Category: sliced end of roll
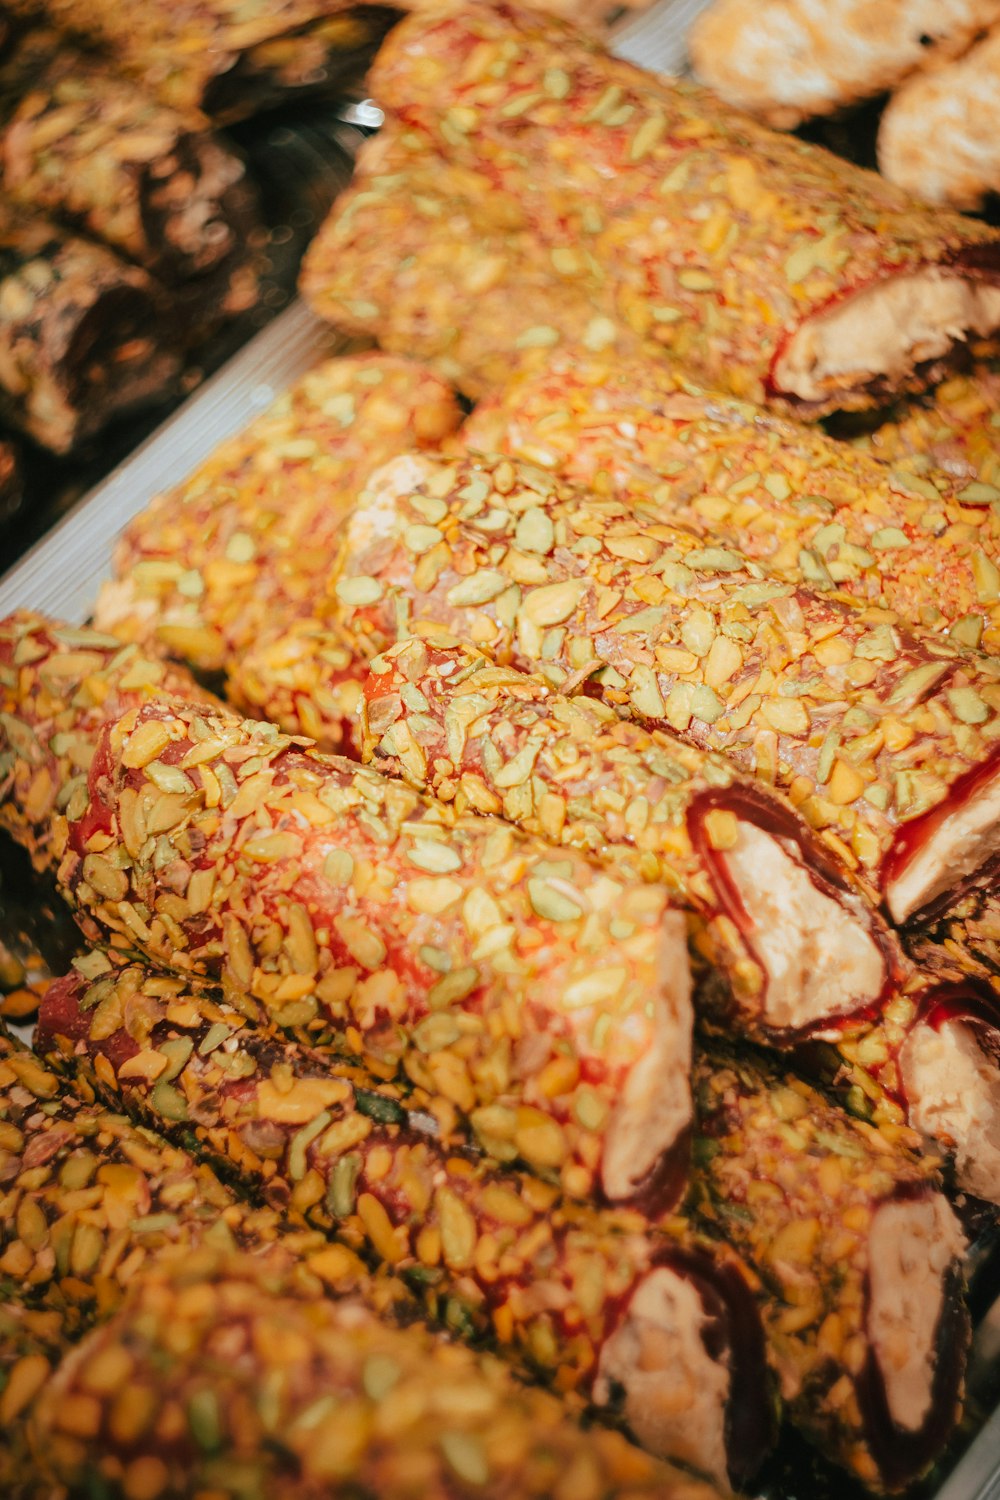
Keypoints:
pixel 936 858
pixel 950 1075
pixel 685 1368
pixel 889 336
pixel 823 953
pixel 918 1332
pixel 646 1149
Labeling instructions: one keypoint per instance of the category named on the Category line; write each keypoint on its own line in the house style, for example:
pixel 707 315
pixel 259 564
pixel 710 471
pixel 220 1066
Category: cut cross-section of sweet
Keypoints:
pixel 675 1393
pixel 796 945
pixel 861 1254
pixel 949 847
pixel 950 1075
pixel 900 325
pixel 821 961
pixel 913 1241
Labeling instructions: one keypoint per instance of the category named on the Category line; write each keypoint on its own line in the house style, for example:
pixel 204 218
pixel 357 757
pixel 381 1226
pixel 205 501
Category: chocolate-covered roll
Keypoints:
pixel 84 337
pixel 770 268
pixel 226 60
pixel 816 1201
pixel 654 1330
pixel 85 146
pixel 11 487
pixel 885 738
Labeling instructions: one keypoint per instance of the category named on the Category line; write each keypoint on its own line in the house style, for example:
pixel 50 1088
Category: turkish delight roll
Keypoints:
pixel 101 1219
pixel 89 148
pixel 774 923
pixel 84 337
pixel 884 738
pixel 215 1380
pixel 805 506
pixel 423 254
pixel 245 544
pixel 482 963
pixel 769 267
pixel 796 949
pixel 817 1202
pixel 788 60
pixel 653 1330
pixel 59 685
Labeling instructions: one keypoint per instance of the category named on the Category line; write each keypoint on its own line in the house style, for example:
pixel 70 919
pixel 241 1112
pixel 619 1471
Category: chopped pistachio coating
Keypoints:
pixel 102 1219
pixel 215 1381
pixel 500 742
pixel 92 149
pixel 767 266
pixel 828 1211
pixel 915 539
pixel 445 718
pixel 227 58
pixel 878 733
pixel 955 428
pixel 306 679
pixel 423 253
pixel 58 686
pixel 245 544
pixel 491 1252
pixel 481 962
pixel 84 337
pixel 89 1201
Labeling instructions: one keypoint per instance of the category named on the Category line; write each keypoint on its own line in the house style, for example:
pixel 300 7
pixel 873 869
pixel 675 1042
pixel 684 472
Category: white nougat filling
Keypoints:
pixel 952 1088
pixel 655 1106
pixel 820 959
pixel 887 329
pixel 960 845
pixel 675 1395
pixel 912 1244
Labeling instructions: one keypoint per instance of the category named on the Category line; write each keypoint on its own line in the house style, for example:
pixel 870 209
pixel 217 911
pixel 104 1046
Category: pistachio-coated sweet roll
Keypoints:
pixel 59 684
pixel 917 537
pixel 215 1379
pixel 794 946
pixel 769 267
pixel 457 951
pixel 816 1201
pixel 884 737
pixel 780 934
pixel 245 544
pixel 653 1329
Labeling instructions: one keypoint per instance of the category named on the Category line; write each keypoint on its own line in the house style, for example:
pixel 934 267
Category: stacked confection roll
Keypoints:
pixel 574 952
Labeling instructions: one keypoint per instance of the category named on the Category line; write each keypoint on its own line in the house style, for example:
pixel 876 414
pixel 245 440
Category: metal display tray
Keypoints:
pixel 60 575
